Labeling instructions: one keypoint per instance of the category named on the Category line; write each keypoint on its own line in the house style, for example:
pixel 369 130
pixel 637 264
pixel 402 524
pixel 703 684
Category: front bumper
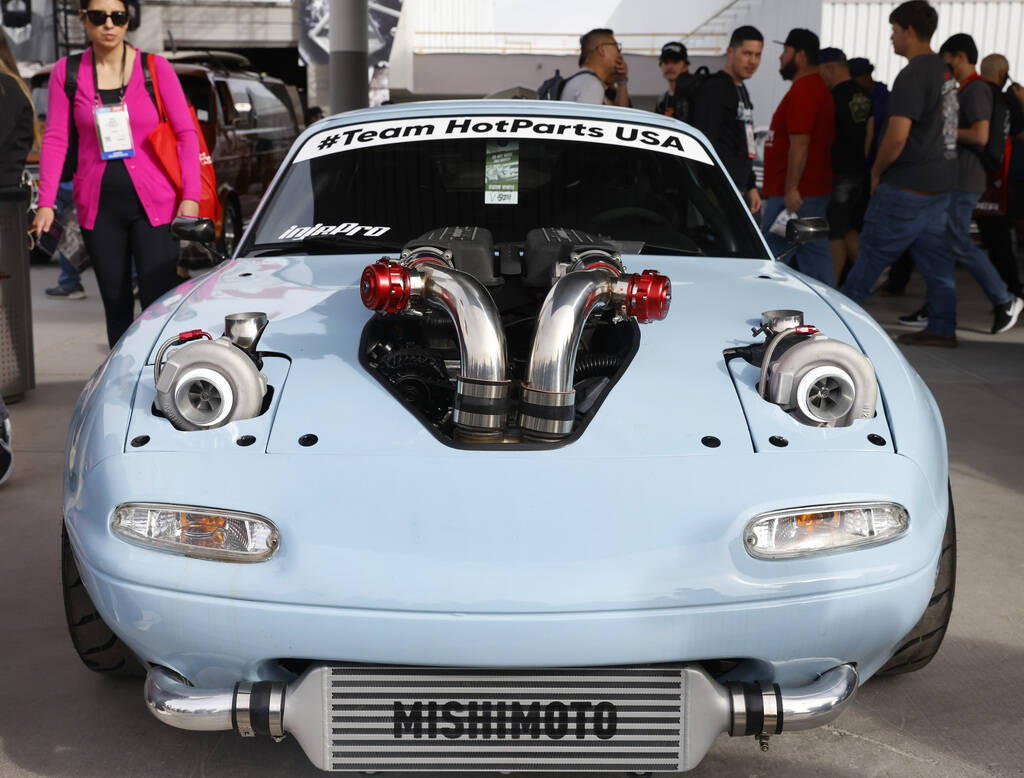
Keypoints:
pixel 387 718
pixel 215 641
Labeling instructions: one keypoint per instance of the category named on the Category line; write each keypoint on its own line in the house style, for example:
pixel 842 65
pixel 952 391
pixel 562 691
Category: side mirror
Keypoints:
pixel 198 230
pixel 807 230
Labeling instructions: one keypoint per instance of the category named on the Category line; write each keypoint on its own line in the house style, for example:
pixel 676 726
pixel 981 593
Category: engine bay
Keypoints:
pixel 418 357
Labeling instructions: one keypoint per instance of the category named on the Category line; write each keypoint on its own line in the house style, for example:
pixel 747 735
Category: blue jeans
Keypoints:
pixel 967 252
pixel 897 220
pixel 69 278
pixel 814 259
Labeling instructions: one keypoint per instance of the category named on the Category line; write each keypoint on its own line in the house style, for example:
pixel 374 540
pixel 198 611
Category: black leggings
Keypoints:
pixel 122 232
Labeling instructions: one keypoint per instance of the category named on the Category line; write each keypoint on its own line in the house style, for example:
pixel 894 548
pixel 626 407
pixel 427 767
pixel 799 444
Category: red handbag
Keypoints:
pixel 165 145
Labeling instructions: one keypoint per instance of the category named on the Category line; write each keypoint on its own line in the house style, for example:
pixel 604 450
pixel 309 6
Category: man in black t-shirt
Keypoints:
pixel 912 177
pixel 854 130
pixel 724 113
pixel 682 84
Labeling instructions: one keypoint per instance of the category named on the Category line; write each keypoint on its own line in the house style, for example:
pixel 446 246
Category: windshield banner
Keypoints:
pixel 640 136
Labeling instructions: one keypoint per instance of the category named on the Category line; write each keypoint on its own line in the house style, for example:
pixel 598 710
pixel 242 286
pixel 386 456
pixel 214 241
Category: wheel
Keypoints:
pixel 923 641
pixel 100 649
pixel 232 228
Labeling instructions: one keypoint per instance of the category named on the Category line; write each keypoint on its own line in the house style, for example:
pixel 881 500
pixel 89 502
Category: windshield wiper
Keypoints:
pixel 330 243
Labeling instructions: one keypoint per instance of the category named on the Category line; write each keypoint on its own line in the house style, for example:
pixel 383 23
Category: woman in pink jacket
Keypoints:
pixel 125 200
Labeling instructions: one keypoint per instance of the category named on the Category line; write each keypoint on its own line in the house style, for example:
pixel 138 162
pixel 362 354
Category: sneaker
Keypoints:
pixel 6 454
pixel 925 338
pixel 1006 315
pixel 918 318
pixel 75 293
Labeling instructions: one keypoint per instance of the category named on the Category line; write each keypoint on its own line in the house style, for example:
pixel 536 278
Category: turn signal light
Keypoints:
pixel 228 536
pixel 823 529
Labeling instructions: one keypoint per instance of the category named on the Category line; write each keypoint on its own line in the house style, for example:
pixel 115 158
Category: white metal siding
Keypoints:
pixel 861 29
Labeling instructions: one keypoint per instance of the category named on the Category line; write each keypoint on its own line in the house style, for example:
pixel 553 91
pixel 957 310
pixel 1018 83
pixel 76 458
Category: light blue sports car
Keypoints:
pixel 502 443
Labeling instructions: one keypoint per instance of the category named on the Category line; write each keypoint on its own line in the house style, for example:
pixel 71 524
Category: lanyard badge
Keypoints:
pixel 114 131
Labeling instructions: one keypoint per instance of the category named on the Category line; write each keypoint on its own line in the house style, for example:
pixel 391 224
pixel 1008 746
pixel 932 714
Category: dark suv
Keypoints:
pixel 249 121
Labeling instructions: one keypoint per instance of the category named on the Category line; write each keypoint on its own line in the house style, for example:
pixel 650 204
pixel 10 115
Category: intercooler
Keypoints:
pixel 440 719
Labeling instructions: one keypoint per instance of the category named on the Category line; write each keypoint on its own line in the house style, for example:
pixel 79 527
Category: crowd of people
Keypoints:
pixel 899 175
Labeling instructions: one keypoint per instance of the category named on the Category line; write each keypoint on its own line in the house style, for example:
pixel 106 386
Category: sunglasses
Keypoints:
pixel 616 44
pixel 99 18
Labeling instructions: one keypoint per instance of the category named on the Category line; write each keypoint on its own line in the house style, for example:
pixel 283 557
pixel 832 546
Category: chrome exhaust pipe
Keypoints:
pixel 482 391
pixel 548 397
pixel 762 709
pixel 249 708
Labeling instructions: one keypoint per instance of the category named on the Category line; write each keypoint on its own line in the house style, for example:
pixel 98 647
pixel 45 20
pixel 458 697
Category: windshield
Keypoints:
pixel 387 183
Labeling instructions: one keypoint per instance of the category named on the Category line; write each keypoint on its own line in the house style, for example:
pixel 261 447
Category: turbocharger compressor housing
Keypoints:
pixel 824 383
pixel 206 384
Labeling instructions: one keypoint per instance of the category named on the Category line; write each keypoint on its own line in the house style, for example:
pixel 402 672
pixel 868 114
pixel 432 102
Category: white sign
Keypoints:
pixel 640 136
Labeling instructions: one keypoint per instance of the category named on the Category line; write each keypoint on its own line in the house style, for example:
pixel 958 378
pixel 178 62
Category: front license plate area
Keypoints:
pixel 441 719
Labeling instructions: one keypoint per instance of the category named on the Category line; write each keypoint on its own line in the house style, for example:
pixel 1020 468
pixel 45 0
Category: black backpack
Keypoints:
pixel 552 88
pixel 70 87
pixel 686 92
pixel 993 153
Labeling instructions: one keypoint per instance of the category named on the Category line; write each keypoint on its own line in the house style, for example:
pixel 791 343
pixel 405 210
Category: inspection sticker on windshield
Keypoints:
pixel 638 136
pixel 501 173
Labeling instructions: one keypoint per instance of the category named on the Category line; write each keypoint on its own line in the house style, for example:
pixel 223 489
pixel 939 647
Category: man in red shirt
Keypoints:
pixel 797 155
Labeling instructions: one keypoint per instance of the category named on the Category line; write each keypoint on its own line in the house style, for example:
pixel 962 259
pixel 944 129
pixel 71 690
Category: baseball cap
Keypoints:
pixel 673 51
pixel 831 54
pixel 802 40
pixel 860 66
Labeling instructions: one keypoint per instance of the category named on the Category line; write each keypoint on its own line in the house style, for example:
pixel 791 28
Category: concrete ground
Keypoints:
pixel 963 715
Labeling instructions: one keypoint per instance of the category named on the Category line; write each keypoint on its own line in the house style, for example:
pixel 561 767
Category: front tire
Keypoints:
pixel 922 642
pixel 99 649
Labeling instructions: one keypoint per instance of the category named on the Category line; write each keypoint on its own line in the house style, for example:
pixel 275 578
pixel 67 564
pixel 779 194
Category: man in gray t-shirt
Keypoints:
pixel 602 66
pixel 975 112
pixel 911 178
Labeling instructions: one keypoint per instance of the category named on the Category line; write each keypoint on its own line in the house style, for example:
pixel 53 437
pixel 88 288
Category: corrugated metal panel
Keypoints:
pixel 861 28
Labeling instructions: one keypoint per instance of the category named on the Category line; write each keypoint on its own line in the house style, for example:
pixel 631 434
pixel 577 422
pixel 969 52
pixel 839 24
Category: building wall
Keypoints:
pixel 861 28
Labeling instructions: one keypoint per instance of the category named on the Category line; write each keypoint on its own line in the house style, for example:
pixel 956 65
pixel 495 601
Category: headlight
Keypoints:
pixel 210 533
pixel 823 528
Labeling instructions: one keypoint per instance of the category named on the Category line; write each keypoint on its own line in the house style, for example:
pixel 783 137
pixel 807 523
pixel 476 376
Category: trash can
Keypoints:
pixel 17 362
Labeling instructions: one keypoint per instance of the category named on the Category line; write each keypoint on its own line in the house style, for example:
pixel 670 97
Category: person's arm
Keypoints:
pixel 869 136
pixel 975 135
pixel 54 147
pixel 621 87
pixel 796 161
pixel 889 150
pixel 180 117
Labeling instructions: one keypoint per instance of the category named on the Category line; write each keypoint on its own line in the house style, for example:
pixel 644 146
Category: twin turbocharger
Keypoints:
pixel 210 383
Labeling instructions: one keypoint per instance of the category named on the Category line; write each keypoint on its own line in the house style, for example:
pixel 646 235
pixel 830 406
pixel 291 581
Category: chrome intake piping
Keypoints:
pixel 250 708
pixel 185 707
pixel 482 390
pixel 548 398
pixel 768 709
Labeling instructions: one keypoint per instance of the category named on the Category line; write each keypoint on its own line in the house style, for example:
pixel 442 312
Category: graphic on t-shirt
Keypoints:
pixel 950 116
pixel 860 107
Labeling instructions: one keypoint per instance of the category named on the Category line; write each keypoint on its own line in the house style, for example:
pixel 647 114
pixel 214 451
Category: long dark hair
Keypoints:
pixel 9 67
